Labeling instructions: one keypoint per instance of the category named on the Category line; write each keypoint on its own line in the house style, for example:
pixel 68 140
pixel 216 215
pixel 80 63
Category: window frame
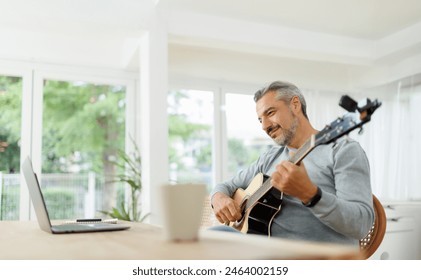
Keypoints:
pixel 33 76
pixel 220 135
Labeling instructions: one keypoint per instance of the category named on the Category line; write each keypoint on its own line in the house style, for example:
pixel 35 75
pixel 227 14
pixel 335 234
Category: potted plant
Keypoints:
pixel 130 173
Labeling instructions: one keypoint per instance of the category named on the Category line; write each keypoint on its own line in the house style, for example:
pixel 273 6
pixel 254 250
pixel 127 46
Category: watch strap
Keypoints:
pixel 315 199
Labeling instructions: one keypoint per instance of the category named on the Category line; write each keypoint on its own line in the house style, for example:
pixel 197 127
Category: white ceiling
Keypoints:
pixel 335 43
pixel 365 19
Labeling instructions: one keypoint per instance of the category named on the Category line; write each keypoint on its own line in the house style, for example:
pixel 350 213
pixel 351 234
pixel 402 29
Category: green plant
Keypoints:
pixel 130 174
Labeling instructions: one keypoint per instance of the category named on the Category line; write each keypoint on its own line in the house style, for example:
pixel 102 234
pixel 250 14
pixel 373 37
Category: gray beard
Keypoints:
pixel 288 134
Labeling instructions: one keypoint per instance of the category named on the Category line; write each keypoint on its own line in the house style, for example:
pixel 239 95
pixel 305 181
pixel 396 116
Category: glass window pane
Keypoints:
pixel 190 118
pixel 10 134
pixel 83 130
pixel 246 139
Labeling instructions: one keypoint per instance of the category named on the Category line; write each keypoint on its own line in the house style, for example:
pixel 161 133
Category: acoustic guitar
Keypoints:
pixel 260 202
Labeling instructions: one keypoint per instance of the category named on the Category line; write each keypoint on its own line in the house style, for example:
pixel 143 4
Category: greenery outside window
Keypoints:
pixel 190 118
pixel 83 130
pixel 10 135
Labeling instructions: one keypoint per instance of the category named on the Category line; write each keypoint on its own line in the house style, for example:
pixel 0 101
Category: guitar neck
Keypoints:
pixel 304 150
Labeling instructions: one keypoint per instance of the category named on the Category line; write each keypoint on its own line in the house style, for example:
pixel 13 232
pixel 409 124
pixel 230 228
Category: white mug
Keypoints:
pixel 182 209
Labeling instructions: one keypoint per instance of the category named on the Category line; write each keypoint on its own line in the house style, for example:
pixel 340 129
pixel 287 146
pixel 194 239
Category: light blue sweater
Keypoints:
pixel 345 212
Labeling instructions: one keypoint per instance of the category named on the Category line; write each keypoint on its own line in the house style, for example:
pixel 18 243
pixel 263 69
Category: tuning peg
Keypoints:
pixel 368 105
pixel 348 103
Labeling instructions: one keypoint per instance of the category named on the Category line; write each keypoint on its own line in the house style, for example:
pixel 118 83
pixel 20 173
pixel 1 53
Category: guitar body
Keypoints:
pixel 257 216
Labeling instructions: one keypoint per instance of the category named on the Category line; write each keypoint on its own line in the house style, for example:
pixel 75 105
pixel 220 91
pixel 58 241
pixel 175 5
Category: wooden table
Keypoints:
pixel 24 240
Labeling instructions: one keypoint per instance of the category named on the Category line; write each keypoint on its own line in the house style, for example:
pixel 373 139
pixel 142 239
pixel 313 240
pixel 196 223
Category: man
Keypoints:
pixel 327 197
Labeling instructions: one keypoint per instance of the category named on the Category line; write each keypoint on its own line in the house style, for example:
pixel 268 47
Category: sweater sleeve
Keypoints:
pixel 350 210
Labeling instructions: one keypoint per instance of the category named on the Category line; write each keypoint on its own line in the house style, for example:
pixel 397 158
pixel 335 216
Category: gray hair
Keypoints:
pixel 284 91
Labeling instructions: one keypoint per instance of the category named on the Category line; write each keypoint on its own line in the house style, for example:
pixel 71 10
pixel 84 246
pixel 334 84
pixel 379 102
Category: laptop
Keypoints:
pixel 42 214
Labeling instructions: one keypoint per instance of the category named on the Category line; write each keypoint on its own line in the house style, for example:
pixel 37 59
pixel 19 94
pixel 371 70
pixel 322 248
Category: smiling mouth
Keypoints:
pixel 272 130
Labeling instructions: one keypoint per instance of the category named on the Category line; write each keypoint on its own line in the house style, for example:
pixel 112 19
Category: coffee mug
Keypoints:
pixel 182 209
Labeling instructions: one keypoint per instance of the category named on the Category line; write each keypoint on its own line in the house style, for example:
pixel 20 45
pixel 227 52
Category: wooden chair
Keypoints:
pixel 372 241
pixel 208 218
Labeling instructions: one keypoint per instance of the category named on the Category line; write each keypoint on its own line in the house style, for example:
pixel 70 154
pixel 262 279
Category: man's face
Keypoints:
pixel 277 119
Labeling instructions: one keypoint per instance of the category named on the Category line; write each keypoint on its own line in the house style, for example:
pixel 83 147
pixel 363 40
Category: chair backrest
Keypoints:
pixel 208 217
pixel 374 238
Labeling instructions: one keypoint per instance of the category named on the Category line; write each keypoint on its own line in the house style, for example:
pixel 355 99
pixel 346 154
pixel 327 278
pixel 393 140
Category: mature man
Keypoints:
pixel 327 197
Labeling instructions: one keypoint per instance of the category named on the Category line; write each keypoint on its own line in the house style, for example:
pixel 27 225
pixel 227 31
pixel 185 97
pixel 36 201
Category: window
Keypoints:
pixel 10 135
pixel 190 118
pixel 246 139
pixel 83 130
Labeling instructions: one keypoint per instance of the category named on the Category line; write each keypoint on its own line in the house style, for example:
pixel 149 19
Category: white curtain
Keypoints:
pixel 391 140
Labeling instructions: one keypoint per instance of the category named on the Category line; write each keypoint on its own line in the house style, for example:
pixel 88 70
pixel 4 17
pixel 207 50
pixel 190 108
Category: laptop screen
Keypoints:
pixel 36 195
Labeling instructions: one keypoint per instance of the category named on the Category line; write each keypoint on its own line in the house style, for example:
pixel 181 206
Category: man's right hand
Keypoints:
pixel 225 208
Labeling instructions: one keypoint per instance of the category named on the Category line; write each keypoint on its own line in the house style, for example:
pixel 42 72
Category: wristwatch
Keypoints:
pixel 313 201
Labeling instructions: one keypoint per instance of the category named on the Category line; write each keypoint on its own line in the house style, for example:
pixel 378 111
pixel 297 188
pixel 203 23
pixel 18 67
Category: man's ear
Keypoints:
pixel 295 105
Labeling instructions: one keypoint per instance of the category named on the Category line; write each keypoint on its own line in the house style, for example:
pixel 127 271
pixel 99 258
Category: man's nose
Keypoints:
pixel 265 123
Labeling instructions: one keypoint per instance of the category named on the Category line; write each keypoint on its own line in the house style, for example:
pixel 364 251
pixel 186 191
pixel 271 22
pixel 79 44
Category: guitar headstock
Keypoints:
pixel 358 114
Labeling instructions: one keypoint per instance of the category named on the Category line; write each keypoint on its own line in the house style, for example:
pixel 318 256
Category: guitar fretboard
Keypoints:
pixel 304 150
